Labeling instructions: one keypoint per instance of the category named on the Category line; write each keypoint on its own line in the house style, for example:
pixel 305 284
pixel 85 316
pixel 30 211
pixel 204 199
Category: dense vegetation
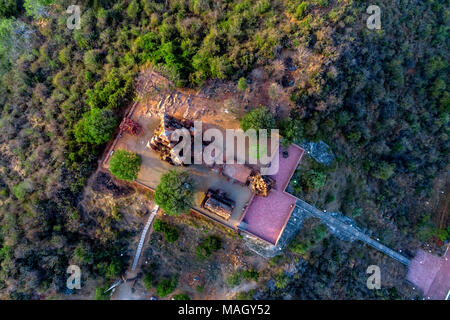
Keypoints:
pixel 125 165
pixel 259 118
pixel 175 192
pixel 181 296
pixel 380 98
pixel 166 286
pixel 170 233
pixel 207 247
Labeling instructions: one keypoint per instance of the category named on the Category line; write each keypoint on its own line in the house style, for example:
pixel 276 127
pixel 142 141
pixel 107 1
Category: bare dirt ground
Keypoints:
pixel 198 279
pixel 180 258
pixel 220 102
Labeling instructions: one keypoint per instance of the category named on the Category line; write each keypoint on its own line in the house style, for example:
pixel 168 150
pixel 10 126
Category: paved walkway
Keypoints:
pixel 143 235
pixel 350 231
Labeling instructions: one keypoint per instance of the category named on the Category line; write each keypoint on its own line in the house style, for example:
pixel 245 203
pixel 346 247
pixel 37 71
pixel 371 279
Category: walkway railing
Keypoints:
pixel 143 235
pixel 336 224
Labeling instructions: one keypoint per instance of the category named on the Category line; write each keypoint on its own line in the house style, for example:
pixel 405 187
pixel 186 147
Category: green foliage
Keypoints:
pixel 207 247
pixel 312 179
pixel 242 84
pixel 100 293
pixel 175 192
pixel 82 255
pixel 133 9
pixel 148 280
pixel 64 55
pixel 5 254
pixel 125 165
pixel 236 278
pixel 4 192
pixel 250 274
pixel 330 198
pixel 97 126
pixel 393 91
pixel 91 60
pixel 112 92
pixel 301 10
pixel 170 233
pixel 166 286
pixel 245 295
pixel 312 238
pixel 37 8
pixel 20 191
pixel 258 118
pixel 113 269
pixel 299 247
pixel 383 170
pixel 14 40
pixel 9 8
pixel 426 230
pixel 281 280
pixel 164 54
pixel 181 296
pixel 290 130
pixel 319 233
pixel 199 289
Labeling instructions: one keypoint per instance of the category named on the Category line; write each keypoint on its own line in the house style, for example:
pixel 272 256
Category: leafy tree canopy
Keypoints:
pixel 175 192
pixel 383 170
pixel 208 245
pixel 242 84
pixel 181 296
pixel 291 131
pixel 96 126
pixel 166 286
pixel 125 165
pixel 259 118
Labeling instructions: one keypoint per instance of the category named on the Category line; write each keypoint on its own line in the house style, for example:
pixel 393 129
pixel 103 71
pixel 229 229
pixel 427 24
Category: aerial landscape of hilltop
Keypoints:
pixel 88 176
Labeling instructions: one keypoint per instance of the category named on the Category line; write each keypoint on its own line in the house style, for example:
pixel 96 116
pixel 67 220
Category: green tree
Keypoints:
pixel 91 60
pixel 8 8
pixel 133 9
pixel 100 293
pixel 175 192
pixel 170 233
pixel 37 8
pixel 206 248
pixel 245 295
pixel 383 170
pixel 125 165
pixel 259 118
pixel 96 126
pixel 301 10
pixel 148 280
pixel 313 180
pixel 281 280
pixel 290 130
pixel 166 286
pixel 82 255
pixel 181 296
pixel 242 84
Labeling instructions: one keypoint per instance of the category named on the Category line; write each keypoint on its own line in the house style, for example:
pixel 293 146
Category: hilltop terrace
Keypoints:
pixel 264 217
